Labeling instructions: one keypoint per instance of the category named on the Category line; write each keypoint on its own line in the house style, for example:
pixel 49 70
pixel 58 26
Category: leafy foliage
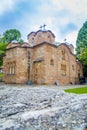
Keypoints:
pixel 82 38
pixel 8 36
pixel 1 75
pixel 83 56
pixel 2 51
pixel 81 47
pixel 11 35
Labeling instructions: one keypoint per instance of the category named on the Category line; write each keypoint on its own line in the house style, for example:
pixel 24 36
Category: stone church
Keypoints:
pixel 41 61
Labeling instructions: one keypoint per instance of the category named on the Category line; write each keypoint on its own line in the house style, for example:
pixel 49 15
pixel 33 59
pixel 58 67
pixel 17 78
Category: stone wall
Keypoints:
pixel 54 73
pixel 41 61
pixel 63 57
pixel 50 64
pixel 19 57
pixel 43 64
pixel 37 68
pixel 22 66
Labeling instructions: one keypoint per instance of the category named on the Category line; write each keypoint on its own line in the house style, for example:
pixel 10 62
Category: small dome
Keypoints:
pixel 25 45
pixel 11 45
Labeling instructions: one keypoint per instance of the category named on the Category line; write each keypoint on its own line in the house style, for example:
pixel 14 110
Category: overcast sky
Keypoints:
pixel 63 17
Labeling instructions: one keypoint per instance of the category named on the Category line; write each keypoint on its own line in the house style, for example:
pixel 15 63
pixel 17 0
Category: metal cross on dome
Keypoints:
pixel 43 27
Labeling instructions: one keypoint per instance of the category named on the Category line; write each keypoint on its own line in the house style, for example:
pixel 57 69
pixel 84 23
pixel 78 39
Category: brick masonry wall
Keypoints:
pixel 37 70
pixel 19 55
pixel 41 70
pixel 54 72
pixel 43 64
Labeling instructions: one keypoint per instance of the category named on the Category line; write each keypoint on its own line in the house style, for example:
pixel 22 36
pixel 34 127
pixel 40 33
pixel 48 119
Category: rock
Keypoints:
pixel 41 108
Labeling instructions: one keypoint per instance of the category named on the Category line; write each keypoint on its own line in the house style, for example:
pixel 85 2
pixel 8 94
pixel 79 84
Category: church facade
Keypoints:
pixel 41 61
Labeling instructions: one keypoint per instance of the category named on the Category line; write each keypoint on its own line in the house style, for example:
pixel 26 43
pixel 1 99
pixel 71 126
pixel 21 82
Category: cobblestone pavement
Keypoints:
pixel 24 107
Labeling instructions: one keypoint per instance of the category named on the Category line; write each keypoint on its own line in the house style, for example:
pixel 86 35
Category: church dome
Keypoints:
pixel 41 36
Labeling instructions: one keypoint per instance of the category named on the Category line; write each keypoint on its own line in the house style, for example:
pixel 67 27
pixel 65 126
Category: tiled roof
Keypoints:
pixel 45 31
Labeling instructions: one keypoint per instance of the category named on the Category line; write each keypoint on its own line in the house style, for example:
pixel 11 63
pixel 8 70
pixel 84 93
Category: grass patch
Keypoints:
pixel 82 90
pixel 1 75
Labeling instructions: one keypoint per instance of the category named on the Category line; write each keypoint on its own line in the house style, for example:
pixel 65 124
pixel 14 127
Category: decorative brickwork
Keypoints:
pixel 41 61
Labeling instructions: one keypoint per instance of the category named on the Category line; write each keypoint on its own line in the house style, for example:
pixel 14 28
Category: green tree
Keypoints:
pixel 81 47
pixel 82 38
pixel 2 51
pixel 11 35
pixel 83 56
pixel 8 36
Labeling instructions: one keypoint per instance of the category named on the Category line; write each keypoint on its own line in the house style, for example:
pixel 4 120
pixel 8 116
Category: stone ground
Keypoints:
pixel 24 107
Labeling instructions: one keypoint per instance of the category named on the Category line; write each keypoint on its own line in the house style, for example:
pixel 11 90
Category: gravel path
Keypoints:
pixel 24 107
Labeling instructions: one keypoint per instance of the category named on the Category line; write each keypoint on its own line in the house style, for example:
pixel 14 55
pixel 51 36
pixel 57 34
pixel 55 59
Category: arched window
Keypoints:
pixel 8 68
pixel 28 56
pixel 78 73
pixel 63 70
pixel 63 55
pixel 51 62
pixel 49 38
pixel 14 67
pixel 73 67
pixel 39 35
pixel 11 68
pixel 32 40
